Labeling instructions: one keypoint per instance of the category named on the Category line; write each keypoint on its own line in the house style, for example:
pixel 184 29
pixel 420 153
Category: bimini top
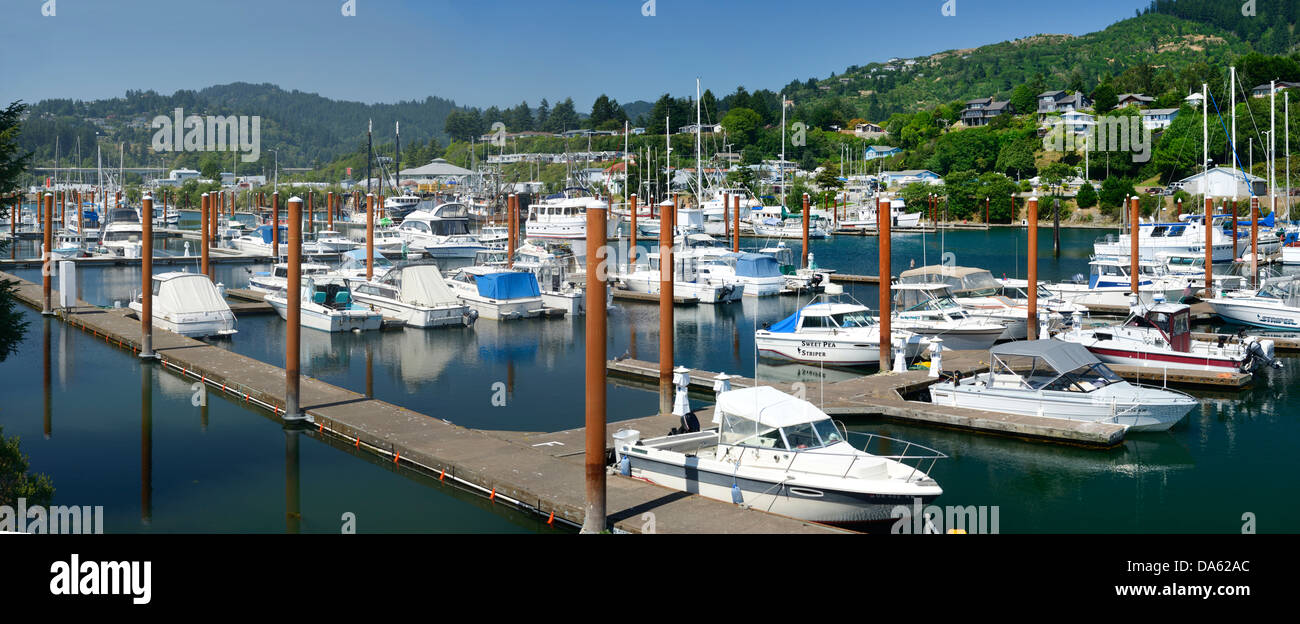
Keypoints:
pixel 791 323
pixel 757 265
pixel 508 285
pixel 766 405
pixel 1060 355
pixel 959 278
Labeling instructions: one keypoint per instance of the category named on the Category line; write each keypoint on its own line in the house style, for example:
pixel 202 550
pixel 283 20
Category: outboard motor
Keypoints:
pixel 1262 353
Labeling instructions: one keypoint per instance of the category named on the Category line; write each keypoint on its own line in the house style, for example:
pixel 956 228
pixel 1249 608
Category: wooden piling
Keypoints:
pixel 667 214
pixel 735 224
pixel 275 227
pixel 370 236
pixel 631 251
pixel 293 322
pixel 47 255
pixel 804 258
pixel 883 222
pixel 1133 226
pixel 597 269
pixel 204 204
pixel 1031 320
pixel 146 278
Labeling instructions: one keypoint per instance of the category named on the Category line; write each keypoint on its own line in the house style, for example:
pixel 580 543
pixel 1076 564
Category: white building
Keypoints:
pixel 1158 118
pixel 1223 182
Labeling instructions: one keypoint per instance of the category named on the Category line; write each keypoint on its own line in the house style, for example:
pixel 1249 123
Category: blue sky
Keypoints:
pixel 486 52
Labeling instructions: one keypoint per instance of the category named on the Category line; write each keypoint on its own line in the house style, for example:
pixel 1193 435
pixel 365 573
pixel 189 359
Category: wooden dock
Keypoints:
pixel 627 295
pixel 531 471
pixel 855 279
pixel 882 395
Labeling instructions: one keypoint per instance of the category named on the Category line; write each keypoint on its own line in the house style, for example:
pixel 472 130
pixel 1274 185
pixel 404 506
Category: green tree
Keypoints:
pixel 1104 97
pixel 1114 191
pixel 13 161
pixel 743 124
pixel 829 179
pixel 1087 197
pixel 15 482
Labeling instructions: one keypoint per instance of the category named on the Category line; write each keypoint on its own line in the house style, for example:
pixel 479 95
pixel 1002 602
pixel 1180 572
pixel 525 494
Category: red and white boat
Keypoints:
pixel 1160 336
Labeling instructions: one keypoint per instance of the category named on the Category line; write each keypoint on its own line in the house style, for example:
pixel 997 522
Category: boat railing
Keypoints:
pixel 918 455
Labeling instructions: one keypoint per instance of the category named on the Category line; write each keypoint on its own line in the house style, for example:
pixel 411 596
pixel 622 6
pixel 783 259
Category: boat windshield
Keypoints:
pixel 854 319
pixel 1084 379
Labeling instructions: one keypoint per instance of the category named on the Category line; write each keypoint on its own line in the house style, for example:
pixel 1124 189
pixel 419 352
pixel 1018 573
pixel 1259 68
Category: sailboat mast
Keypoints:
pixel 370 152
pixel 699 170
pixel 397 171
pixel 781 165
pixel 1272 146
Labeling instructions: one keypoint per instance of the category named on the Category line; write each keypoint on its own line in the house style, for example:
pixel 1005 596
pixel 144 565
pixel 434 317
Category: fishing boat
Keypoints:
pixel 1160 337
pixel 774 452
pixel 327 305
pixel 836 331
pixel 499 294
pixel 188 304
pixel 1056 379
pixel 930 310
pixel 1276 305
pixel 415 294
pixel 259 241
pixel 274 281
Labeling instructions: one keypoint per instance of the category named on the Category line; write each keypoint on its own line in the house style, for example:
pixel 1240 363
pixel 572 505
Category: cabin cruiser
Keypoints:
pixel 1109 284
pixel 494 236
pixel 978 292
pixel 718 219
pixel 415 294
pixel 687 281
pixel 387 240
pixel 499 294
pixel 1185 236
pixel 930 310
pixel 1056 379
pixel 832 331
pixel 431 226
pixel 1160 336
pixel 188 304
pixel 1191 267
pixel 774 452
pixel 327 305
pixel 89 215
pixel 123 232
pixel 1276 305
pixel 274 281
pixel 789 228
pixel 755 275
pixel 259 241
pixel 865 217
pixel 453 246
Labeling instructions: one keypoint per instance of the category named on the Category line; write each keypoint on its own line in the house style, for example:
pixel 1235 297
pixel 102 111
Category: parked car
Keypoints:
pixel 1155 190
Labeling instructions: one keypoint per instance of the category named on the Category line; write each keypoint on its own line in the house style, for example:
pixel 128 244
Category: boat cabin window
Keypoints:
pixel 156 285
pixel 418 226
pixel 281 272
pixel 818 322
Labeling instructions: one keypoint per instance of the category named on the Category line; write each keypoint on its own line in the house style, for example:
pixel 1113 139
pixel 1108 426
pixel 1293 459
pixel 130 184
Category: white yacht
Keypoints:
pixel 327 305
pixel 453 246
pixel 713 211
pixel 1185 236
pixel 839 333
pixel 188 304
pixel 1191 267
pixel 1056 379
pixel 929 310
pixel 978 292
pixel 789 228
pixel 274 281
pixel 774 452
pixel 398 207
pixel 123 232
pixel 353 265
pixel 415 294
pixel 563 217
pixel 499 294
pixel 494 236
pixel 1109 283
pixel 259 241
pixel 331 241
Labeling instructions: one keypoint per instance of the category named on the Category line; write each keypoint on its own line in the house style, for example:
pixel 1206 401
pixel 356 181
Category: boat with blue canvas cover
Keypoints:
pixel 259 241
pixel 498 294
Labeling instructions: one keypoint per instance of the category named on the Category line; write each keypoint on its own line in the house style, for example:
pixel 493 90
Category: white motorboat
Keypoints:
pixel 332 241
pixel 1055 379
pixel 453 246
pixel 122 233
pixel 327 305
pixel 274 281
pixel 687 281
pixel 499 294
pixel 929 310
pixel 714 211
pixel 494 236
pixel 1185 236
pixel 1109 284
pixel 839 333
pixel 1191 267
pixel 188 304
pixel 1276 305
pixel 387 240
pixel 774 452
pixel 864 218
pixel 259 241
pixel 789 228
pixel 558 274
pixel 416 294
pixel 978 292
pixel 1160 337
